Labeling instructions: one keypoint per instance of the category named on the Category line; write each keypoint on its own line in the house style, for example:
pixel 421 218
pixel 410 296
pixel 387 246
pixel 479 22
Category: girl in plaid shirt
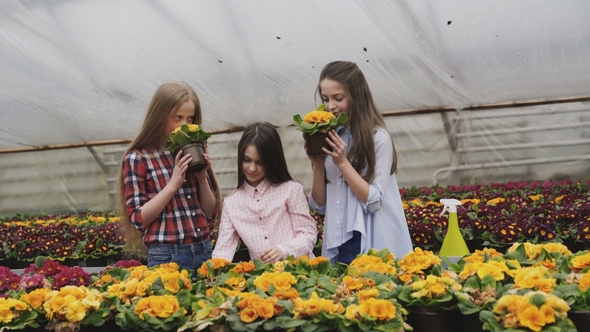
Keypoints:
pixel 173 209
pixel 268 211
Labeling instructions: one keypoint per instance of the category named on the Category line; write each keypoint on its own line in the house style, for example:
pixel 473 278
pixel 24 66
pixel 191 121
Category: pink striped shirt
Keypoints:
pixel 264 217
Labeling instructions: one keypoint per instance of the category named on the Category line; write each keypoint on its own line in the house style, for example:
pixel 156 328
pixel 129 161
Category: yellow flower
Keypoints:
pixel 170 282
pixel 264 281
pixel 75 312
pixel 193 127
pixel 366 294
pixel 351 311
pixel 283 281
pixel 352 284
pixel 36 297
pixel 470 269
pixel 556 247
pixel 248 315
pixel 288 294
pixel 495 201
pixel 419 260
pixel 161 306
pixel 535 197
pixel 8 308
pixel 244 267
pixel 580 262
pixel 532 318
pixel 490 269
pixel 238 283
pixel 584 281
pixel 279 266
pixel 318 117
pixel 378 308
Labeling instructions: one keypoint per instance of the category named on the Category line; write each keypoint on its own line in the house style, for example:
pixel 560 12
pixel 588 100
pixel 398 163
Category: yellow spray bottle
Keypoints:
pixel 453 245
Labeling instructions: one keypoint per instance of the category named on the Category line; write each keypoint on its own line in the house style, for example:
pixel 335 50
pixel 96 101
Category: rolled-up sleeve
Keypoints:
pixel 134 179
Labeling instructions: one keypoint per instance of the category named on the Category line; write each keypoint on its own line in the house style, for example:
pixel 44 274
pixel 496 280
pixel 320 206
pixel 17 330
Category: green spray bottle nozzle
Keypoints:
pixel 453 245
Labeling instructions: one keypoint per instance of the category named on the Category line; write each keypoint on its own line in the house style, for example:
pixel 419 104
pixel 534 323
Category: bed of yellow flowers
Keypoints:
pixel 530 287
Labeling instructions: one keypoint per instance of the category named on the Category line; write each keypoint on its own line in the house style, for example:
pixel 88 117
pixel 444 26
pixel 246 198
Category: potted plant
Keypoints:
pixel 190 139
pixel 316 125
pixel 529 311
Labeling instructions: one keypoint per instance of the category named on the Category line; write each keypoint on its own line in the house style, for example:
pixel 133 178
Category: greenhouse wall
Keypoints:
pixel 551 142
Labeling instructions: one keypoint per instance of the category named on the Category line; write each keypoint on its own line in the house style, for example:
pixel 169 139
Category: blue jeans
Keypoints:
pixel 348 251
pixel 190 256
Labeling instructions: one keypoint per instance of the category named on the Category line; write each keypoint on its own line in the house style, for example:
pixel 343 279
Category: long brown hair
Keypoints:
pixel 363 115
pixel 165 102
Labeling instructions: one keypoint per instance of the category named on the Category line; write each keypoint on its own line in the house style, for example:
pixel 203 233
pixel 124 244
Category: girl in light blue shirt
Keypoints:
pixel 354 185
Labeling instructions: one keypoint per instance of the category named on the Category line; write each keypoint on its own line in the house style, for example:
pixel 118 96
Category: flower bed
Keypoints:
pixel 497 215
pixel 492 215
pixel 88 239
pixel 530 287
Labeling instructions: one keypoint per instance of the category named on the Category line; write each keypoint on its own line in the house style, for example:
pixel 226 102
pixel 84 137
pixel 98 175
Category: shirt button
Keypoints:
pixel 338 183
pixel 259 218
pixel 258 200
pixel 198 229
pixel 337 222
pixel 337 202
pixel 194 214
pixel 184 180
pixel 265 237
pixel 189 196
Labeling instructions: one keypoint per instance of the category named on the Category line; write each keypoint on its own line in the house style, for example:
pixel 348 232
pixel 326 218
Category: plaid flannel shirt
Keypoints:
pixel 145 174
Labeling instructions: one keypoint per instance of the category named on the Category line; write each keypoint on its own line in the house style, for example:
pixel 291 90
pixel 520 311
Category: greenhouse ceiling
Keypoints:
pixel 84 71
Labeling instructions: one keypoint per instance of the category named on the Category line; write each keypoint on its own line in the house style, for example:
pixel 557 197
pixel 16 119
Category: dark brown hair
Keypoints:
pixel 267 141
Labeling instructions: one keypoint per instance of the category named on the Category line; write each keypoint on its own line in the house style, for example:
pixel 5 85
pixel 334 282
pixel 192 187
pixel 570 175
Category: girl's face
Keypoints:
pixel 252 166
pixel 334 97
pixel 183 115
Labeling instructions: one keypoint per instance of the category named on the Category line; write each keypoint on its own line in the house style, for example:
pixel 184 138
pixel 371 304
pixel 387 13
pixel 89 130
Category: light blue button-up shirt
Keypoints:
pixel 381 221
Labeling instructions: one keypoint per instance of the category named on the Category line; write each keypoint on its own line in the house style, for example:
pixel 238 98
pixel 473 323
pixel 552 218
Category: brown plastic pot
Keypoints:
pixel 195 149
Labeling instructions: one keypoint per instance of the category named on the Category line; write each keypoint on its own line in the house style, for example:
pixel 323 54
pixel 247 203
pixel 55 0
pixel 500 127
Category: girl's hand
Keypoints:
pixel 272 255
pixel 202 174
pixel 180 166
pixel 338 148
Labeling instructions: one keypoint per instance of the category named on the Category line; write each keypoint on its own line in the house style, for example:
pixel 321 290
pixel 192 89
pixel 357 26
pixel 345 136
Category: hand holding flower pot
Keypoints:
pixel 316 125
pixel 190 139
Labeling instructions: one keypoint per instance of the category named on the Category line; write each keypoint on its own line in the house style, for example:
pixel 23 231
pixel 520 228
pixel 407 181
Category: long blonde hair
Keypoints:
pixel 363 115
pixel 166 100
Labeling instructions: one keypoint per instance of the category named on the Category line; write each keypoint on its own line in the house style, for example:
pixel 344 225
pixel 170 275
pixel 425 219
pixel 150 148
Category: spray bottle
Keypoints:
pixel 453 245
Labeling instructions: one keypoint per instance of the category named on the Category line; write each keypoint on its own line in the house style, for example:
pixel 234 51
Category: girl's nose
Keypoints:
pixel 330 106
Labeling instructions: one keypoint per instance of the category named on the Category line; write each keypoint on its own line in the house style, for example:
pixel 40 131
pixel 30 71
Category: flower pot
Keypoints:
pixel 471 323
pixel 196 151
pixel 242 255
pixel 581 319
pixel 435 321
pixel 316 142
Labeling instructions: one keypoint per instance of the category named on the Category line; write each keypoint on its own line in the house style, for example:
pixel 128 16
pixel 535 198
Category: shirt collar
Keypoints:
pixel 259 189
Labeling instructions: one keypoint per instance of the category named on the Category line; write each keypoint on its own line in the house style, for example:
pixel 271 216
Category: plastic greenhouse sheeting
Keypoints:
pixel 84 71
